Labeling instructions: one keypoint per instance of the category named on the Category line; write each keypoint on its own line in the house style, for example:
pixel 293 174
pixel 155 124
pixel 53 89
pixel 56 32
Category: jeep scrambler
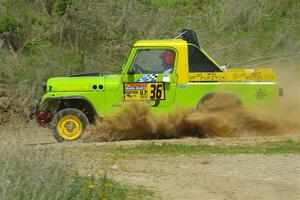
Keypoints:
pixel 165 74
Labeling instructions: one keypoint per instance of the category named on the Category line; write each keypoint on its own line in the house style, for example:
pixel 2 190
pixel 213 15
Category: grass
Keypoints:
pixel 103 188
pixel 46 174
pixel 39 40
pixel 284 147
pixel 97 35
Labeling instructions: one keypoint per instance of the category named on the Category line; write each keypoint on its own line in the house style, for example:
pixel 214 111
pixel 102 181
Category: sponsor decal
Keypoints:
pixel 116 105
pixel 260 94
pixel 144 91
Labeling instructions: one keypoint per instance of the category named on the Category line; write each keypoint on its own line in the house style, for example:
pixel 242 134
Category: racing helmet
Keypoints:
pixel 168 57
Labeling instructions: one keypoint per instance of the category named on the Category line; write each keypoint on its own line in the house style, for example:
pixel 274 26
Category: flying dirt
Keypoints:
pixel 137 122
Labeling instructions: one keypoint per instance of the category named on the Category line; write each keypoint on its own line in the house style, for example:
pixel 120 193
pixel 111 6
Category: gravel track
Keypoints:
pixel 182 176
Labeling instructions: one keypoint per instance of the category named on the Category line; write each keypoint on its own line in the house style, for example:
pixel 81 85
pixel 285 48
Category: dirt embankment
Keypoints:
pixel 5 110
pixel 15 101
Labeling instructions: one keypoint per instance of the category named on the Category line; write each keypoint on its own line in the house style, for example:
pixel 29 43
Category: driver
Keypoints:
pixel 168 58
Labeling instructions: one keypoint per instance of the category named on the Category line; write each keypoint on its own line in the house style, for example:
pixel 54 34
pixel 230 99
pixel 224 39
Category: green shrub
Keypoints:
pixel 63 6
pixel 8 24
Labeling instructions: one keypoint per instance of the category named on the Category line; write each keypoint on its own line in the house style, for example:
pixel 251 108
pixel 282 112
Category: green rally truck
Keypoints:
pixel 164 74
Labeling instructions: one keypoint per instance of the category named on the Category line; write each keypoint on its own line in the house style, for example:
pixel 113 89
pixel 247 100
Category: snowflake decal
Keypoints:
pixel 260 94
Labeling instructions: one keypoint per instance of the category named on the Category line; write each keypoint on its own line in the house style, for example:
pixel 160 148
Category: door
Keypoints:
pixel 151 77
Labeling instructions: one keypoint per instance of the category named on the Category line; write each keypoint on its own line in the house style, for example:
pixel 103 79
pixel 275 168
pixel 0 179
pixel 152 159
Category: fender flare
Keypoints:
pixel 75 97
pixel 209 94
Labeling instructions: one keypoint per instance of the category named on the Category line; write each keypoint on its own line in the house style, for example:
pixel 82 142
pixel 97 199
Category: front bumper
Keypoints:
pixel 35 107
pixel 43 118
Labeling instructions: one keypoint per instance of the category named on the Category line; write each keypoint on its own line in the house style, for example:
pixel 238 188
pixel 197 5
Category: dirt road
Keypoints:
pixel 215 176
pixel 184 176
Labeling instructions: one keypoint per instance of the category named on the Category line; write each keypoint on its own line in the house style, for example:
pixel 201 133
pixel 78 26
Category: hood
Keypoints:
pixel 87 74
pixel 74 83
pixel 83 82
pixel 112 82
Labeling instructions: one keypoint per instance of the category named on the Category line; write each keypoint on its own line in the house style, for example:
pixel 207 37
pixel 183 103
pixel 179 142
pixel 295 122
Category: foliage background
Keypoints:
pixel 44 38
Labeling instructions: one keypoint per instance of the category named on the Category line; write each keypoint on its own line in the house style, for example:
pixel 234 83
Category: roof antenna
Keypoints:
pixel 182 33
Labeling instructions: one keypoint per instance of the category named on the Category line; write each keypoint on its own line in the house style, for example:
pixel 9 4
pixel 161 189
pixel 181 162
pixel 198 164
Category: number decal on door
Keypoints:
pixel 157 91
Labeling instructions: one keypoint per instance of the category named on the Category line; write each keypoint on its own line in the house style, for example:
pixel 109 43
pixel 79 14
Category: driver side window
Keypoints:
pixel 154 61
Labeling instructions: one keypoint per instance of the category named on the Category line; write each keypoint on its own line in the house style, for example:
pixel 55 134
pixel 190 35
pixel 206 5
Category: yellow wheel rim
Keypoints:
pixel 70 127
pixel 224 130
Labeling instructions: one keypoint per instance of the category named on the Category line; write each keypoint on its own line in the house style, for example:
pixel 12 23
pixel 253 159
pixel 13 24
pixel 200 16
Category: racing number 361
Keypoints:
pixel 156 91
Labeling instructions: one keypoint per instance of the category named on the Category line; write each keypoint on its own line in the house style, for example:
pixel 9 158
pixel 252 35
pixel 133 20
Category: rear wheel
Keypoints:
pixel 69 124
pixel 224 105
pixel 219 102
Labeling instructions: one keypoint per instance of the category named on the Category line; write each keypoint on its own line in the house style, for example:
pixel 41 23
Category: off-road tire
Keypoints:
pixel 207 105
pixel 68 112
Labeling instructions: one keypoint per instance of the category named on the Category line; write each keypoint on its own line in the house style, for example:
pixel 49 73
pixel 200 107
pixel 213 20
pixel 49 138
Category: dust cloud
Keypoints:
pixel 219 116
pixel 136 121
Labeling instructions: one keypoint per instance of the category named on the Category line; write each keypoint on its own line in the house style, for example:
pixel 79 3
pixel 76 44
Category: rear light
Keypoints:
pixel 281 92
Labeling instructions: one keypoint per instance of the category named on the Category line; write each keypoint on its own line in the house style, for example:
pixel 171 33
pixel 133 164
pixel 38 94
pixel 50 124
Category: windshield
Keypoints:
pixel 154 61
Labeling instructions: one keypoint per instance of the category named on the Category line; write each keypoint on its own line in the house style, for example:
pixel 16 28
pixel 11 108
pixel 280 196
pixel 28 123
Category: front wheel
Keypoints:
pixel 69 124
